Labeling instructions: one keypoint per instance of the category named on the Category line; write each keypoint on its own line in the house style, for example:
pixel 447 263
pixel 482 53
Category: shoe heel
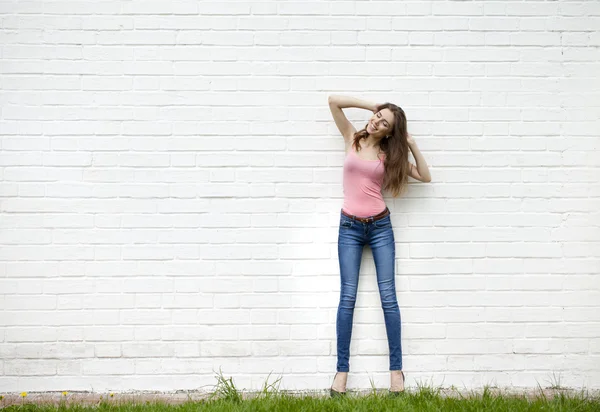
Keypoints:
pixel 335 394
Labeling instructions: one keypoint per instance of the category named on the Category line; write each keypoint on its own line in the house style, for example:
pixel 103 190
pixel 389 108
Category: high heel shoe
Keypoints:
pixel 333 393
pixel 398 393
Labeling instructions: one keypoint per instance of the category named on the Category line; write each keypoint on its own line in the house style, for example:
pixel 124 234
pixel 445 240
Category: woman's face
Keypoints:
pixel 380 124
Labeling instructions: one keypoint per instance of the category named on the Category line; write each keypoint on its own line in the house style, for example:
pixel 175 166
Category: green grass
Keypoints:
pixel 226 397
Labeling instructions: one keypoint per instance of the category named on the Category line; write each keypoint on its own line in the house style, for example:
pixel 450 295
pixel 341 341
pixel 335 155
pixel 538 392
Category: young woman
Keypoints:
pixel 376 159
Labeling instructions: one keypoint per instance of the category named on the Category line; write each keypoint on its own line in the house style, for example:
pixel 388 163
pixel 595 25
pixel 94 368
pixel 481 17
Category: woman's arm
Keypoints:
pixel 421 171
pixel 348 101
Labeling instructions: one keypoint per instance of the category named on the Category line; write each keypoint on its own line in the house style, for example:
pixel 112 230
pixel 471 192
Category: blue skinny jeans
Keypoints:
pixel 352 237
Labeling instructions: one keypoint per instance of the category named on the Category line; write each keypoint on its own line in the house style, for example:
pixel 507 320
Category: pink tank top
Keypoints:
pixel 362 185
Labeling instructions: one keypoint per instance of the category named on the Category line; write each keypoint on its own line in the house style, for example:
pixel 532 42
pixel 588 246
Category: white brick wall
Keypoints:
pixel 171 187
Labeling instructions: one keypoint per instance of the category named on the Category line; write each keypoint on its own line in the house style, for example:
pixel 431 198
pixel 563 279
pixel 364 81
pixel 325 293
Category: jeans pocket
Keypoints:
pixel 383 223
pixel 345 222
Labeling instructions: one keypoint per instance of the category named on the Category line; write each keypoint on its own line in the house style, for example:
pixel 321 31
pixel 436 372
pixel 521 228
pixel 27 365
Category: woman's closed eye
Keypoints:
pixel 384 123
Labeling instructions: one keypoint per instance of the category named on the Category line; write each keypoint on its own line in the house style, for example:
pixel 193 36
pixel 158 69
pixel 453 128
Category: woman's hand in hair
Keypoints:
pixel 410 139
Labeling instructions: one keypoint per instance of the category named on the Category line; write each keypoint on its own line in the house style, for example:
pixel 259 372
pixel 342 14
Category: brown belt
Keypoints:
pixel 368 219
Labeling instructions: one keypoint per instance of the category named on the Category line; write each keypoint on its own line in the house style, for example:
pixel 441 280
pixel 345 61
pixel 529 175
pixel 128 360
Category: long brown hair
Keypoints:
pixel 395 148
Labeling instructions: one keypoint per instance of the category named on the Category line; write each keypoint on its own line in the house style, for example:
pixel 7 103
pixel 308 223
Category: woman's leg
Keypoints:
pixel 384 254
pixel 350 248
